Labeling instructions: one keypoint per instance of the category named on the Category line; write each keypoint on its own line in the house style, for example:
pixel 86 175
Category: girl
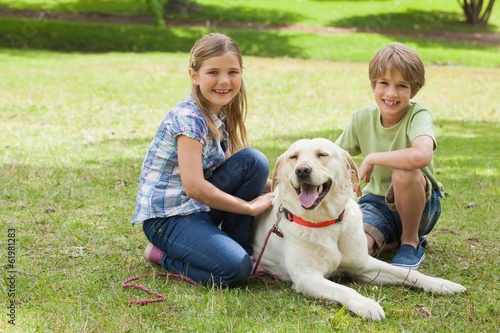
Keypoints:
pixel 200 187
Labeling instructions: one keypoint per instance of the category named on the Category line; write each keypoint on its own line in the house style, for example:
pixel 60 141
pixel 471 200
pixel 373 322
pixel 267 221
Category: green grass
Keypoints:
pixel 40 33
pixel 92 38
pixel 419 15
pixel 74 129
pixel 135 7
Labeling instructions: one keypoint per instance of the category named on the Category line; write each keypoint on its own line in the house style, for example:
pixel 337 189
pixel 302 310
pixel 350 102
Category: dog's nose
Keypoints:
pixel 303 171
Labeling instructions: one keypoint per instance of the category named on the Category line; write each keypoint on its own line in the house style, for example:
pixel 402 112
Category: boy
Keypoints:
pixel 400 203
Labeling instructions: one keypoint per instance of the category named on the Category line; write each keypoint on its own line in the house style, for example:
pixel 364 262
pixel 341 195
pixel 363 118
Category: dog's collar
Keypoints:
pixel 294 218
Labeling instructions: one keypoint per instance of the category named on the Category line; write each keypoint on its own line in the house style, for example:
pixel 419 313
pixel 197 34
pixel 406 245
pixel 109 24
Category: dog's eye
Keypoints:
pixel 322 155
pixel 293 157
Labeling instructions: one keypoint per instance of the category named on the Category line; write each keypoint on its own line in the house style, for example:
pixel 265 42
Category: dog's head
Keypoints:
pixel 314 173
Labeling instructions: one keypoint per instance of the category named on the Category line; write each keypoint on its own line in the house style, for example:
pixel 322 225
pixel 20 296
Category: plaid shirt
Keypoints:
pixel 161 193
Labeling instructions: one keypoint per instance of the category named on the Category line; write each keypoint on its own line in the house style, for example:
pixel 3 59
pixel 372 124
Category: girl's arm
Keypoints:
pixel 198 188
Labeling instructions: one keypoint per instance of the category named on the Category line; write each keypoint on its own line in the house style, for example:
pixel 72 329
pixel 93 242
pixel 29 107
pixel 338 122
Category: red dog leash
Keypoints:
pixel 258 275
pixel 160 297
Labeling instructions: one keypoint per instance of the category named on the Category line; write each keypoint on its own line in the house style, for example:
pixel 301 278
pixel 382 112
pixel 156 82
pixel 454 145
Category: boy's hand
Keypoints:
pixel 365 171
pixel 357 189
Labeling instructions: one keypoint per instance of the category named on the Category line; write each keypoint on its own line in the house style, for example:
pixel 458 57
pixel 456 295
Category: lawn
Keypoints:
pixel 74 129
pixel 39 32
pixel 420 15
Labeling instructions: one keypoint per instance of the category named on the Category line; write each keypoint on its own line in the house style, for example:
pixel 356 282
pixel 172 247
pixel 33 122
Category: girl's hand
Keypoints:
pixel 261 203
pixel 269 185
pixel 198 188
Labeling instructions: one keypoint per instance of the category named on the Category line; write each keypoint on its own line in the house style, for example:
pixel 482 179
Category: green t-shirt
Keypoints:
pixel 365 134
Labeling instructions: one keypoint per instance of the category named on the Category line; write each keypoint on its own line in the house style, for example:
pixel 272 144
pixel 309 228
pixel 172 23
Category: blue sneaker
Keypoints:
pixel 409 257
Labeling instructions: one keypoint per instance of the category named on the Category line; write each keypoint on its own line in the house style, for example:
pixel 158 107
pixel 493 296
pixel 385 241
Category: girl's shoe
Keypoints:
pixel 153 254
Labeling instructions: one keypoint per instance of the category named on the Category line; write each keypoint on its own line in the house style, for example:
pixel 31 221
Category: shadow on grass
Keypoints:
pixel 468 152
pixel 242 14
pixel 64 36
pixel 248 14
pixel 420 20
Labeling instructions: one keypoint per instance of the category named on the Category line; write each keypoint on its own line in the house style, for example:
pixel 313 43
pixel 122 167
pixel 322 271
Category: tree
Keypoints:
pixel 159 7
pixel 156 7
pixel 474 13
pixel 182 7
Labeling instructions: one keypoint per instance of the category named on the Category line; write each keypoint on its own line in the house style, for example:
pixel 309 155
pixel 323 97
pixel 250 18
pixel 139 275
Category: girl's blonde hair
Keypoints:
pixel 397 56
pixel 214 45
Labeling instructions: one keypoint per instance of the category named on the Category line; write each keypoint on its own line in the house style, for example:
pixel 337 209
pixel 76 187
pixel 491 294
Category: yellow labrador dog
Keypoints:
pixel 323 231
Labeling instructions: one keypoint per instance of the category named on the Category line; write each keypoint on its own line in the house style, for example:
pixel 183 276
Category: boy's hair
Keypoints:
pixel 397 56
pixel 214 45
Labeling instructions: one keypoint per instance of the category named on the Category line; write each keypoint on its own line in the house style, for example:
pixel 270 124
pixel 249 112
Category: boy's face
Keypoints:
pixel 392 94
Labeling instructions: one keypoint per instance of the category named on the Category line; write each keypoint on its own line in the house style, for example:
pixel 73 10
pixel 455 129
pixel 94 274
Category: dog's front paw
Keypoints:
pixel 365 308
pixel 445 287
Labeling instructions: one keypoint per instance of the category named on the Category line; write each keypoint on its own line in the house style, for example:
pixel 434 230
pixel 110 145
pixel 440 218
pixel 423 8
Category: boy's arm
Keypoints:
pixel 348 140
pixel 416 157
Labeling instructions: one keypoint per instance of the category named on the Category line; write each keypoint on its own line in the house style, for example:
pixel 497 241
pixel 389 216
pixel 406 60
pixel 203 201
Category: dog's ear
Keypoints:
pixel 352 167
pixel 277 167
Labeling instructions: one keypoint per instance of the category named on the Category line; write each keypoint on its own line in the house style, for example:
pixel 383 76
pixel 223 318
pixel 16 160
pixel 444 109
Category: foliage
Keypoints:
pixel 43 34
pixel 156 7
pixel 474 13
pixel 440 15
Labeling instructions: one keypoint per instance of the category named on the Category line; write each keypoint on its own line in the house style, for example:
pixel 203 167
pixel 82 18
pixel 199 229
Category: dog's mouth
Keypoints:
pixel 311 195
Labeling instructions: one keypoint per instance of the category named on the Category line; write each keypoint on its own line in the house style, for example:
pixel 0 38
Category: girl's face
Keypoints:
pixel 392 94
pixel 219 79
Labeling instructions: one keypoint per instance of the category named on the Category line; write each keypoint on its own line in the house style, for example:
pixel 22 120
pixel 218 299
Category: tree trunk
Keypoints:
pixel 473 10
pixel 156 9
pixel 182 7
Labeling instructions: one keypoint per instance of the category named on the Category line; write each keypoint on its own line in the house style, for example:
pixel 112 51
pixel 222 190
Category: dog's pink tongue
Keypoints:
pixel 308 195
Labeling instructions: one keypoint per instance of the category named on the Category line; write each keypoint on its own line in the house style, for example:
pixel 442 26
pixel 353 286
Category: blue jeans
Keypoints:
pixel 384 225
pixel 214 247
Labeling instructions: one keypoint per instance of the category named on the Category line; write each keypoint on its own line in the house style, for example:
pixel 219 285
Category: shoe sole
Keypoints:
pixel 412 267
pixel 147 252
